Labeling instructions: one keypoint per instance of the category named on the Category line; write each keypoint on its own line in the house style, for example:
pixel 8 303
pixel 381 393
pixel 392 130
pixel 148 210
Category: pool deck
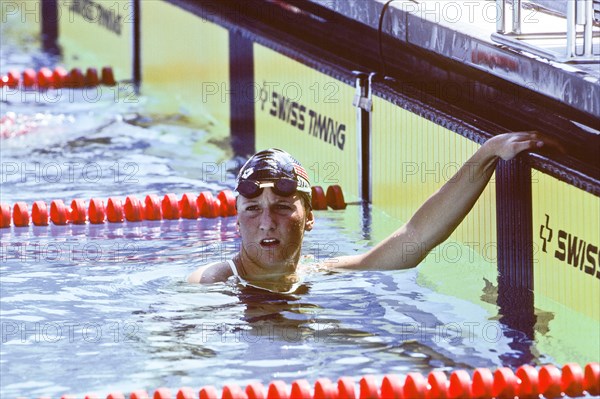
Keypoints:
pixel 462 31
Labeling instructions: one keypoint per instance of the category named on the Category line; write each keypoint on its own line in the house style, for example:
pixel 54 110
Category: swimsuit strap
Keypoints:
pixel 242 281
pixel 233 267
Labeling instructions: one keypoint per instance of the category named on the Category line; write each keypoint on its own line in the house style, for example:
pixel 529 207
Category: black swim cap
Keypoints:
pixel 274 164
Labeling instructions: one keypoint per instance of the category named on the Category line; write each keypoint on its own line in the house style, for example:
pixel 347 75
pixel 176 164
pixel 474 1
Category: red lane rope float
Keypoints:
pixel 572 380
pixel 20 215
pixel 529 385
pixel 232 391
pixel 207 205
pixel 188 206
pixel 324 389
pixel 108 78
pixel 59 77
pixel 162 393
pixel 78 214
pixel 368 387
pixel 114 210
pixel 482 384
pixel 227 200
pixel 45 78
pixel 4 215
pixel 345 387
pixel 58 213
pixel 335 197
pixel 153 207
pixel 300 390
pixel 39 213
pixel 170 207
pixel 505 383
pixel 277 390
pixel 208 392
pixel 438 385
pixel 96 211
pixel 550 382
pixel 133 209
pixel 591 379
pixel 415 386
pixel 91 78
pixel 185 393
pixel 255 390
pixel 318 201
pixel 13 78
pixel 29 77
pixel 141 394
pixel 391 387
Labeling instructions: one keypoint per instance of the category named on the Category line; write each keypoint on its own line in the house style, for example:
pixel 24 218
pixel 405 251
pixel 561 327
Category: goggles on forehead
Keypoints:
pixel 283 186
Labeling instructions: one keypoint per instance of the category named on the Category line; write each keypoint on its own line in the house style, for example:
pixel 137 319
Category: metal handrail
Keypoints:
pixel 579 12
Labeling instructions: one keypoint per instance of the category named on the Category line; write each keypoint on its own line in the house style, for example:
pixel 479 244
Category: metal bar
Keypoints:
pixel 241 106
pixel 587 35
pixel 580 7
pixel 137 48
pixel 363 104
pixel 571 29
pixel 500 25
pixel 516 17
pixel 524 46
pixel 49 25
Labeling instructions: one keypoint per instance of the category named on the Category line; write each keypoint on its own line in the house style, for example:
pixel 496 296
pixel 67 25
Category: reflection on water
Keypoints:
pixel 132 312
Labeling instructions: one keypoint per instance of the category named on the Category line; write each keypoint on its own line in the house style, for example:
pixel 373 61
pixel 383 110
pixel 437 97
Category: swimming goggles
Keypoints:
pixel 283 187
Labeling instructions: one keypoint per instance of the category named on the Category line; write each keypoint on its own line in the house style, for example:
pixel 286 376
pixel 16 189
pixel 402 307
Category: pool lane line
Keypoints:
pixel 190 206
pixel 58 78
pixel 526 382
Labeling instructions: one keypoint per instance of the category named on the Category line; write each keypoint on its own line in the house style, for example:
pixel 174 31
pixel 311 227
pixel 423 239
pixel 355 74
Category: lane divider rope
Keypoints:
pixel 46 78
pixel 190 206
pixel 527 382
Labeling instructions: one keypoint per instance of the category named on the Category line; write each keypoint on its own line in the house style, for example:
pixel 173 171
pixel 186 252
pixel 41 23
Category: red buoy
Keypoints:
pixel 108 78
pixel 78 215
pixel 4 215
pixel 59 213
pixel 133 209
pixel 96 211
pixel 44 78
pixel 39 213
pixel 335 197
pixel 114 210
pixel 20 214
pixel 170 207
pixel 318 200
pixel 152 209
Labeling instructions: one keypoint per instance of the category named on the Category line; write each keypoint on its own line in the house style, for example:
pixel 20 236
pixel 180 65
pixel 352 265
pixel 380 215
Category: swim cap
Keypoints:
pixel 276 166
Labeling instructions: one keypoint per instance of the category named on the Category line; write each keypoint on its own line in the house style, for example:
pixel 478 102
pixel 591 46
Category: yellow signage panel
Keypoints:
pixel 185 66
pixel 412 157
pixel 97 34
pixel 566 237
pixel 310 115
pixel 26 14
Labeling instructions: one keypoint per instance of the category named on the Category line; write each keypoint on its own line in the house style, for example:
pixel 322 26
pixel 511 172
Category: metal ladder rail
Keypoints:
pixel 579 12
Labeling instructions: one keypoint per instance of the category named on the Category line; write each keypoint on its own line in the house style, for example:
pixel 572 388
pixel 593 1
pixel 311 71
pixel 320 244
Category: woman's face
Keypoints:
pixel 272 229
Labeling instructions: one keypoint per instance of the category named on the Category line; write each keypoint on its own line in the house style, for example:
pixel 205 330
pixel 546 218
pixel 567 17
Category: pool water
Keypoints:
pixel 101 308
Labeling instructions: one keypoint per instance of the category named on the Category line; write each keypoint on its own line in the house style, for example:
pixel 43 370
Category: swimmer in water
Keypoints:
pixel 274 211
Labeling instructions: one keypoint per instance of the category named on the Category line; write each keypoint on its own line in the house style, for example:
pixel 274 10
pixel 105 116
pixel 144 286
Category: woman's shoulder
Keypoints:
pixel 212 273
